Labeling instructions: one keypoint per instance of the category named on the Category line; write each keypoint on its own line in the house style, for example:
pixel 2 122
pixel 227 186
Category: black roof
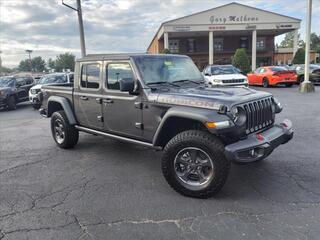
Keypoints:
pixel 118 56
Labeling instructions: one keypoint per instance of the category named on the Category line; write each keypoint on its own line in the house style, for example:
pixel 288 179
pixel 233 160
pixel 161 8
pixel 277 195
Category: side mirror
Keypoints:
pixel 126 85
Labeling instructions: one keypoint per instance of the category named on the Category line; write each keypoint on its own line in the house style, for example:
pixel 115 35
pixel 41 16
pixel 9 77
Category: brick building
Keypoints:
pixel 212 36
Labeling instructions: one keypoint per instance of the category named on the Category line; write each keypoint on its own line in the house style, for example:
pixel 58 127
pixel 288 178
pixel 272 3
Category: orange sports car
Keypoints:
pixel 271 76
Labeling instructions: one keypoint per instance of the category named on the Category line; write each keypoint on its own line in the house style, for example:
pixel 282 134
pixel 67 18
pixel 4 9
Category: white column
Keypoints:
pixel 211 48
pixel 295 42
pixel 166 40
pixel 308 30
pixel 254 50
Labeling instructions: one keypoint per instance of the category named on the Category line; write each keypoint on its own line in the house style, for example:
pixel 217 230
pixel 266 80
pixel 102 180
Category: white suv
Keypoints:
pixel 224 75
pixel 35 96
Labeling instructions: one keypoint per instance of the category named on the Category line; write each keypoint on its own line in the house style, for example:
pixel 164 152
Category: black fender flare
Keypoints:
pixel 196 114
pixel 66 106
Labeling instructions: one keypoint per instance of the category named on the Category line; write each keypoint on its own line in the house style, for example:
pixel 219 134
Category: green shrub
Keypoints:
pixel 166 51
pixel 240 60
pixel 299 57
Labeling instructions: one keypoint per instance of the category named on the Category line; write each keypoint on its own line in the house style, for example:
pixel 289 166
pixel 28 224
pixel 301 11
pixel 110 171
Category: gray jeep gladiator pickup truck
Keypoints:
pixel 161 101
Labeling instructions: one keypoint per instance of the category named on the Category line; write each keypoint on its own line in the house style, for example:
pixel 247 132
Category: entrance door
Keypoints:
pixel 122 111
pixel 87 96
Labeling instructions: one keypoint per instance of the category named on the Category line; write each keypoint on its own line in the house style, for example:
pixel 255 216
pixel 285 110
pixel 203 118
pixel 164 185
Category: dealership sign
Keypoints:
pixel 233 19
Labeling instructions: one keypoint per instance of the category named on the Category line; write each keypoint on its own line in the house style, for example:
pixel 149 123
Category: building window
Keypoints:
pixel 191 45
pixel 261 43
pixel 218 44
pixel 244 42
pixel 174 46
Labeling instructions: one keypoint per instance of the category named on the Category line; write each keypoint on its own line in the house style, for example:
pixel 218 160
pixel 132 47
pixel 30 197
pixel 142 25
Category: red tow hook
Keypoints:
pixel 260 137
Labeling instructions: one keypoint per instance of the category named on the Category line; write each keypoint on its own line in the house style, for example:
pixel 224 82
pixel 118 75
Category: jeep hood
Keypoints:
pixel 38 86
pixel 207 97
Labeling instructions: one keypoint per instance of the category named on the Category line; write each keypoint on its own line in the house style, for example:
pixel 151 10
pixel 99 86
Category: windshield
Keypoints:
pixel 221 70
pixel 278 69
pixel 162 68
pixel 6 82
pixel 53 79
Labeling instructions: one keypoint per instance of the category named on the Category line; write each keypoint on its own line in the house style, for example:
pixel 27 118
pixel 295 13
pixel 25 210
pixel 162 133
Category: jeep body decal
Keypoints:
pixel 190 102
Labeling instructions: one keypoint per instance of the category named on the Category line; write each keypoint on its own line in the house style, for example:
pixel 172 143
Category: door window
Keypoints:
pixel 116 72
pixel 20 82
pixel 90 75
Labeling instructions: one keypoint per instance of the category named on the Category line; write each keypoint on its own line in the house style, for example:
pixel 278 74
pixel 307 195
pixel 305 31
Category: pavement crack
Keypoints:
pixel 25 230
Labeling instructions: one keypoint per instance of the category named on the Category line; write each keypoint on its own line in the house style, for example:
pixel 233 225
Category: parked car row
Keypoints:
pixel 228 75
pixel 17 89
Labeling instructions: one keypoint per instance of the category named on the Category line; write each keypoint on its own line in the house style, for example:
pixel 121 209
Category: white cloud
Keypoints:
pixel 49 28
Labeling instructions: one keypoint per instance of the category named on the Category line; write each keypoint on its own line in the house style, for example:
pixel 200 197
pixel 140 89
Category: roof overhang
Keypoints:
pixel 231 17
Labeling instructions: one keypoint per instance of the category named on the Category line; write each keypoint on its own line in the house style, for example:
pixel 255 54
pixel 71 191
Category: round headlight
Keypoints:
pixel 238 115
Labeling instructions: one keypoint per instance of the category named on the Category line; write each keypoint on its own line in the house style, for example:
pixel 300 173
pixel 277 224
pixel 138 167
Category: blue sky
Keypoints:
pixel 48 28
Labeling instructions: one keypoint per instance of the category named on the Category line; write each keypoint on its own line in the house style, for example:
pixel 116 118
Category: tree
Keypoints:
pixel 299 57
pixel 38 64
pixel 240 60
pixel 5 70
pixel 287 42
pixel 315 42
pixel 65 61
pixel 24 65
pixel 51 63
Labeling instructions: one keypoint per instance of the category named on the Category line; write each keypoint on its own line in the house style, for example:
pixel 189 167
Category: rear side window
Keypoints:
pixel 90 75
pixel 117 71
pixel 278 69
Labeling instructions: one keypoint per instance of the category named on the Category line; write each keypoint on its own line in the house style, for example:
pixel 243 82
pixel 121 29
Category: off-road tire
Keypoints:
pixel 265 82
pixel 12 104
pixel 206 142
pixel 36 106
pixel 70 132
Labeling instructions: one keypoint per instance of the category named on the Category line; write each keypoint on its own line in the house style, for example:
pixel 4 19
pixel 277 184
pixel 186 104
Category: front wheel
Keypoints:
pixel 265 82
pixel 12 104
pixel 194 164
pixel 64 134
pixel 36 106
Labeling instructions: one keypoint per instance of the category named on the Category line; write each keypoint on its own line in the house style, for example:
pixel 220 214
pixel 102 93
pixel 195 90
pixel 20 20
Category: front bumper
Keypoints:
pixel 259 145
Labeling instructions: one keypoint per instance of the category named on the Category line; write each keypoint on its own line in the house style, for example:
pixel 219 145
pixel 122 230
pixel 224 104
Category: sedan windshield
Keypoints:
pixel 6 82
pixel 167 69
pixel 221 70
pixel 53 79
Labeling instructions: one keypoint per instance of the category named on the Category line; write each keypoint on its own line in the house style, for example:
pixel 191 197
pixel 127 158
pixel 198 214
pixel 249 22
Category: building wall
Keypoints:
pixel 286 58
pixel 230 43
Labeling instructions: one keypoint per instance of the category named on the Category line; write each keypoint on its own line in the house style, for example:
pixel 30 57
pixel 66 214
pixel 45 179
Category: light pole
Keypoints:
pixel 306 85
pixel 0 63
pixel 81 31
pixel 30 61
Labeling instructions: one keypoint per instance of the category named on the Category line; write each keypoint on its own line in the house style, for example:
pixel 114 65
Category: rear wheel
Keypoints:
pixel 301 79
pixel 12 104
pixel 194 164
pixel 265 82
pixel 64 134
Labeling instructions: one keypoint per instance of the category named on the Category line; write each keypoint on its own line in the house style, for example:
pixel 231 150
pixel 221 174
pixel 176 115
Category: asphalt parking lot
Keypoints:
pixel 104 189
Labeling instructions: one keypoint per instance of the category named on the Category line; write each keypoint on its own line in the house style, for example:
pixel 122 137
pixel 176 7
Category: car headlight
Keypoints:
pixel 277 105
pixel 239 116
pixel 2 93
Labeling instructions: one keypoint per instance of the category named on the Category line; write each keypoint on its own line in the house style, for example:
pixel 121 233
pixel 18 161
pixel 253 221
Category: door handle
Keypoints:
pixel 107 100
pixel 84 98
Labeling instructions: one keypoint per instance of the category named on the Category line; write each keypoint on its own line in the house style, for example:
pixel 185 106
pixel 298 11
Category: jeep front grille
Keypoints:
pixel 233 81
pixel 259 115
